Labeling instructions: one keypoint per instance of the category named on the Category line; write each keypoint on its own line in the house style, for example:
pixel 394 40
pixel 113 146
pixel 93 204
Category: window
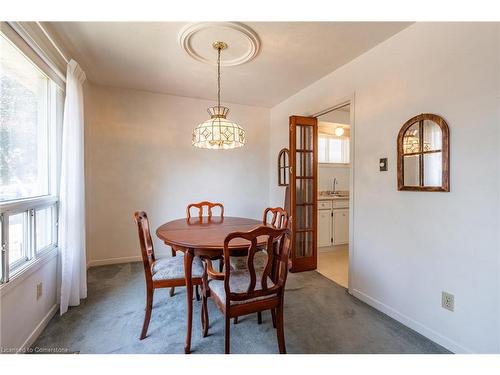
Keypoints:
pixel 31 108
pixel 333 149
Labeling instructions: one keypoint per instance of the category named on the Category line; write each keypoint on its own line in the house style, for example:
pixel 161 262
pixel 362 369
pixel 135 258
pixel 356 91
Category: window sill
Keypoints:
pixel 27 270
pixel 28 203
pixel 335 165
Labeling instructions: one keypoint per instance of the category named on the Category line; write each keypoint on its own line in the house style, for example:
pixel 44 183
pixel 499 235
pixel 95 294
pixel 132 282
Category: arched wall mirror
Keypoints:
pixel 423 154
pixel 283 167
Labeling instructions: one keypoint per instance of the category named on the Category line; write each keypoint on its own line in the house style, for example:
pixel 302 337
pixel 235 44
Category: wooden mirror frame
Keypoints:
pixel 445 150
pixel 283 167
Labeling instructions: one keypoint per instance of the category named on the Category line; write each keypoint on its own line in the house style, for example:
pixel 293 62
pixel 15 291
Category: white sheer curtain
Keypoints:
pixel 333 149
pixel 71 232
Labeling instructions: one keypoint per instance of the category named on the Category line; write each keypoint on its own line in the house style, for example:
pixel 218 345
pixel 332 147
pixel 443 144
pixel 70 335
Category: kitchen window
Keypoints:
pixel 31 107
pixel 333 149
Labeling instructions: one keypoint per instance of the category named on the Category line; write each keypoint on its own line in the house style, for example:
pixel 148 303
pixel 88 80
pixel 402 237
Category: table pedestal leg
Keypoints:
pixel 188 264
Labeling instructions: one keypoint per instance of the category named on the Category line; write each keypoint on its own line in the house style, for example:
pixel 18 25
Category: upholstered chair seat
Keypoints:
pixel 169 268
pixel 239 282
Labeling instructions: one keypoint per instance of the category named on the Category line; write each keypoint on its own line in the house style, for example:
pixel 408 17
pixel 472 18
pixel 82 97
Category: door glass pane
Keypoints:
pixel 411 170
pixel 304 217
pixel 299 217
pixel 308 137
pixel 304 164
pixel 433 136
pixel 308 244
pixel 17 244
pixel 411 142
pixel 299 191
pixel 433 172
pixel 308 191
pixel 298 164
pixel 299 133
pixel 24 158
pixel 299 244
pixel 43 221
pixel 304 192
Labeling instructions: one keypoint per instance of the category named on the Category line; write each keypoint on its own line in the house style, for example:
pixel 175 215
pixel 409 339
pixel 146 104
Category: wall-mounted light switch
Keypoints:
pixel 383 164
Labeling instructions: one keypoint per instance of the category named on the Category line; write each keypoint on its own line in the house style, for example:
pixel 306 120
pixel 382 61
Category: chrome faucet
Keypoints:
pixel 335 182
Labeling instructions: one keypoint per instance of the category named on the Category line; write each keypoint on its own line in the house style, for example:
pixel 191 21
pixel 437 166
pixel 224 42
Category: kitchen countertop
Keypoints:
pixel 330 198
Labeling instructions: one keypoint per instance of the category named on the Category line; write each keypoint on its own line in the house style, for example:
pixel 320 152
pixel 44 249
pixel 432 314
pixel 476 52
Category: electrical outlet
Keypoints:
pixel 39 290
pixel 448 301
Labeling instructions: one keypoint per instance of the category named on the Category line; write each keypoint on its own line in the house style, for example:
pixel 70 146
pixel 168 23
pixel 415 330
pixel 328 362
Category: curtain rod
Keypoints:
pixel 52 41
pixel 21 31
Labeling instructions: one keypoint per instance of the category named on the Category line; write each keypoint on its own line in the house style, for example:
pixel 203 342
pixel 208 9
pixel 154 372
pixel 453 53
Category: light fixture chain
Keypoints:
pixel 218 77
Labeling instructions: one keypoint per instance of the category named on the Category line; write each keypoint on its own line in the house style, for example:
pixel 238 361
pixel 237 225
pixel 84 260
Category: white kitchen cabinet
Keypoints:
pixel 324 227
pixel 340 226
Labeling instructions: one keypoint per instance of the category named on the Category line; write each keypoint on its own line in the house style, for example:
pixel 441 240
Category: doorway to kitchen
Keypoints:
pixel 334 189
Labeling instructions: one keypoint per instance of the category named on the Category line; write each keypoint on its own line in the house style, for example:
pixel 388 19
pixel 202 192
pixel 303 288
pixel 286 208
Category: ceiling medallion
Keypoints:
pixel 243 35
pixel 218 133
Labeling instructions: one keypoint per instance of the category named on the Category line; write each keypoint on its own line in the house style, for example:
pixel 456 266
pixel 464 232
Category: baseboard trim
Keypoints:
pixel 39 329
pixel 105 262
pixel 411 323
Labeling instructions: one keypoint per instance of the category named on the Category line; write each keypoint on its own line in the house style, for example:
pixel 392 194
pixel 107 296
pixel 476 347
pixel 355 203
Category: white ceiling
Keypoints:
pixel 147 56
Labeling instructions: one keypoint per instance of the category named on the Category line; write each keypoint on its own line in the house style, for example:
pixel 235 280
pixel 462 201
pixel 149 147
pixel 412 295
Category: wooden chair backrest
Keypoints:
pixel 200 206
pixel 147 250
pixel 279 218
pixel 278 250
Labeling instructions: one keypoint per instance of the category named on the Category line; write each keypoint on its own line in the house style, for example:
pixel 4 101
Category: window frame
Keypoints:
pixel 30 205
pixel 284 167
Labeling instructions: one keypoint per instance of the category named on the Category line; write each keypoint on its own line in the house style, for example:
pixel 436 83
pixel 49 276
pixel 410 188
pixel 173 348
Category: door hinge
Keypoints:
pixel 331 239
pixel 331 214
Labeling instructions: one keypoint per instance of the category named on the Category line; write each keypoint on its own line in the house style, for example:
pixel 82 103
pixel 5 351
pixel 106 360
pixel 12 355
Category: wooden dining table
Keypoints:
pixel 203 237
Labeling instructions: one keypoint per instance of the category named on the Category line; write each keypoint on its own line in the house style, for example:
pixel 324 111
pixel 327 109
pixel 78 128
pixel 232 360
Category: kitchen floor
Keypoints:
pixel 333 263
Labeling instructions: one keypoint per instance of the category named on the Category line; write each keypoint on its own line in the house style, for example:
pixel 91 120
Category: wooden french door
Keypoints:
pixel 303 135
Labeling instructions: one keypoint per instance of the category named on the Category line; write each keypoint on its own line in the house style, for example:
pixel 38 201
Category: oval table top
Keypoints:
pixel 207 233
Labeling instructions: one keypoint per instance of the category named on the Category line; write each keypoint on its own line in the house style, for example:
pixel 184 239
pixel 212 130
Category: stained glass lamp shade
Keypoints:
pixel 218 132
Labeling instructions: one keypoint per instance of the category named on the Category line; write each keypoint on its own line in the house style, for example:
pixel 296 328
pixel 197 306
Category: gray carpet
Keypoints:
pixel 320 317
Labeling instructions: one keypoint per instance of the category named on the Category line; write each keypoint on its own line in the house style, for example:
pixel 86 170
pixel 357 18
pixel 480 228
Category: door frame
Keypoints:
pixel 341 103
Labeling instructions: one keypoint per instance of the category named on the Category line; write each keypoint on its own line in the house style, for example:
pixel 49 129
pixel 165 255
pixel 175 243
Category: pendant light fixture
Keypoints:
pixel 218 133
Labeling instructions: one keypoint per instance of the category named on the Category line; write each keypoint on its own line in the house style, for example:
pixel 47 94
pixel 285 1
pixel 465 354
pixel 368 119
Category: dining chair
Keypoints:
pixel 201 205
pixel 165 272
pixel 242 292
pixel 278 219
pixel 209 205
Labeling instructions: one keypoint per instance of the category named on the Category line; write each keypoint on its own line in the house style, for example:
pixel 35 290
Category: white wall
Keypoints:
pixel 410 246
pixel 139 157
pixel 22 316
pixel 326 174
